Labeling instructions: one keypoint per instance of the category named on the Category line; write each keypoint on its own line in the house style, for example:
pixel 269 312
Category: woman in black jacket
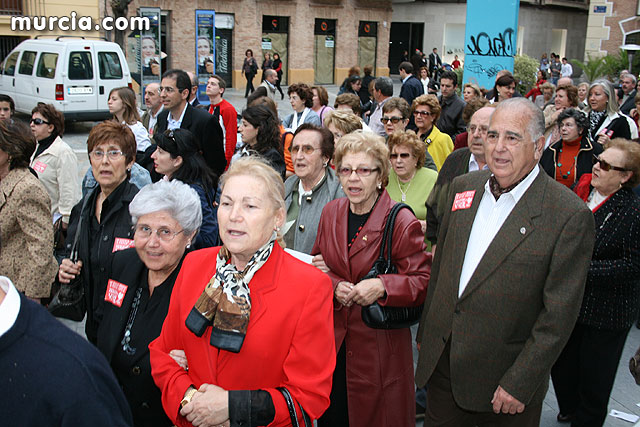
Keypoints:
pixel 584 374
pixel 166 217
pixel 106 225
pixel 261 135
pixel 567 159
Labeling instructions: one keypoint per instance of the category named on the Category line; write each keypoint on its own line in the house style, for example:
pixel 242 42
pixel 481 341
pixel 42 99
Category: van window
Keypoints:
pixel 10 64
pixel 47 65
pixel 80 66
pixel 110 67
pixel 26 63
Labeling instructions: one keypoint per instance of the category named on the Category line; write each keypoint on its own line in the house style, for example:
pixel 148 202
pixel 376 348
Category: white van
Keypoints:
pixel 73 74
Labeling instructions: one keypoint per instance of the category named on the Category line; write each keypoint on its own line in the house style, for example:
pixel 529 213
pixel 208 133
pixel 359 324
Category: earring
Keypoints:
pixel 325 164
pixel 379 186
pixel 188 245
pixel 128 169
pixel 277 229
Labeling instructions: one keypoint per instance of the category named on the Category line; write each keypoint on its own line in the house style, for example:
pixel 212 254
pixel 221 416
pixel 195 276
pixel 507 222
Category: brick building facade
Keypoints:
pixel 612 24
pixel 300 42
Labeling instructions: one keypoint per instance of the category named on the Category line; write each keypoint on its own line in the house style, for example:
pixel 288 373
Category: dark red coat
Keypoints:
pixel 289 341
pixel 379 362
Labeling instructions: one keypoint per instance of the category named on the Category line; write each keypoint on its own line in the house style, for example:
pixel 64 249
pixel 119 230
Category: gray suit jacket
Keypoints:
pixel 520 305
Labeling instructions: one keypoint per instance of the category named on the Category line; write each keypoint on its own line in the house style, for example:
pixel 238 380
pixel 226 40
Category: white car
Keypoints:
pixel 74 74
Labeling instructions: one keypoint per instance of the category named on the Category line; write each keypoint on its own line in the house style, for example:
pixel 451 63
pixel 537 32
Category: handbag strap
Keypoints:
pixel 292 409
pixel 74 247
pixel 387 238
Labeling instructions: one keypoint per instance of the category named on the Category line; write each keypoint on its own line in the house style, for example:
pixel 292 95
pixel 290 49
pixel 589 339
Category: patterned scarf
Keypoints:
pixel 498 191
pixel 595 118
pixel 225 302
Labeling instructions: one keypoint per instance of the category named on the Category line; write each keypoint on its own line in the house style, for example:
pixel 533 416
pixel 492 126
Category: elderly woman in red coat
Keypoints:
pixel 373 382
pixel 247 318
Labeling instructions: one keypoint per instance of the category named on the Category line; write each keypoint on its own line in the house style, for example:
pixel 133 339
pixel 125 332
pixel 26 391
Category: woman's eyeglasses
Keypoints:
pixel 111 154
pixel 422 113
pixel 394 119
pixel 306 149
pixel 39 121
pixel 607 166
pixel 403 156
pixel 164 234
pixel 361 171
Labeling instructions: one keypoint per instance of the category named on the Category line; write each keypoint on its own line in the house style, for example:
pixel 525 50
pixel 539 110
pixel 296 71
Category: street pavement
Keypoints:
pixel 625 396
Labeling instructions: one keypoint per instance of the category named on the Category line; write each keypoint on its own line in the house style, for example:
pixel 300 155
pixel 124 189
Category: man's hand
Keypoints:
pixel 505 403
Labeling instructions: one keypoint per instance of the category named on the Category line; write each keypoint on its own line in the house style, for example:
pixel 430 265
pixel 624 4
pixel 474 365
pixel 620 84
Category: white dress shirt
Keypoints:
pixel 153 119
pixel 175 124
pixel 490 217
pixel 473 164
pixel 10 305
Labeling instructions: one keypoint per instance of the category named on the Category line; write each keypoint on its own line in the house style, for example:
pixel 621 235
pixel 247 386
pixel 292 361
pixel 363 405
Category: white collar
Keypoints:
pixel 473 164
pixel 301 190
pixel 406 78
pixel 179 121
pixel 294 121
pixel 158 112
pixel 10 306
pixel 520 189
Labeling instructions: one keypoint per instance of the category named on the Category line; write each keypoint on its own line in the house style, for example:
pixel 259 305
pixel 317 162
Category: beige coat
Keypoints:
pixel 57 168
pixel 26 234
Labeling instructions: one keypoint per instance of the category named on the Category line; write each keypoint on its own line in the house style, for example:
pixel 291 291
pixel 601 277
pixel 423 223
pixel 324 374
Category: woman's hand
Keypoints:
pixel 423 225
pixel 155 68
pixel 318 262
pixel 342 292
pixel 603 138
pixel 209 67
pixel 208 408
pixel 180 358
pixel 68 270
pixel 367 292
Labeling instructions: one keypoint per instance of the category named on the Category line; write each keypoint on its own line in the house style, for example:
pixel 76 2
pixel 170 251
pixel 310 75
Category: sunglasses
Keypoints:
pixel 394 119
pixel 606 166
pixel 404 156
pixel 39 121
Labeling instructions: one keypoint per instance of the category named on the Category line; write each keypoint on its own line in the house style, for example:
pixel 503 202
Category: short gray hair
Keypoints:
pixel 535 127
pixel 607 87
pixel 385 85
pixel 629 76
pixel 176 198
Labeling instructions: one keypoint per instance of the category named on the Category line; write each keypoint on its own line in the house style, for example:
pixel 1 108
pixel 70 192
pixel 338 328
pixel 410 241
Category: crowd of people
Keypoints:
pixel 230 261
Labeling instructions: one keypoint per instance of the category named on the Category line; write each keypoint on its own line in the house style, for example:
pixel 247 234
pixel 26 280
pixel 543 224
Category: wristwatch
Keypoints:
pixel 188 396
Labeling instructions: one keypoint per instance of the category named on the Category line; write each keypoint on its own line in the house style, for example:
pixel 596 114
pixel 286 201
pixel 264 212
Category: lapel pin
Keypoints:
pixel 523 230
pixel 364 237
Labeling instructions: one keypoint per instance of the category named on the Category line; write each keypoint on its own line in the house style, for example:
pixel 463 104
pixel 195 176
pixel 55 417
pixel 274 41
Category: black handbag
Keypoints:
pixel 68 301
pixel 384 317
pixel 292 409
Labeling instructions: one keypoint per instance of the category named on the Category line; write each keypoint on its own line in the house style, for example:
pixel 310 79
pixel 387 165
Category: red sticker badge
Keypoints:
pixel 463 200
pixel 115 292
pixel 121 244
pixel 39 167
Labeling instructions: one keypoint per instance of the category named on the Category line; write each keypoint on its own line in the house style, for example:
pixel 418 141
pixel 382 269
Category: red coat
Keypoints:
pixel 379 362
pixel 289 340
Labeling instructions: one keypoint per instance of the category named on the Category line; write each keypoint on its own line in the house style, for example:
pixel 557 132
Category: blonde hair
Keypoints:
pixel 369 144
pixel 430 101
pixel 257 167
pixel 410 140
pixel 345 121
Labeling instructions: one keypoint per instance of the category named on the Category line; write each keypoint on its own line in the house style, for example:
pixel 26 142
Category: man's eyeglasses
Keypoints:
pixel 607 166
pixel 422 113
pixel 306 149
pixel 361 171
pixel 39 121
pixel 394 119
pixel 473 128
pixel 403 156
pixel 167 89
pixel 111 154
pixel 164 234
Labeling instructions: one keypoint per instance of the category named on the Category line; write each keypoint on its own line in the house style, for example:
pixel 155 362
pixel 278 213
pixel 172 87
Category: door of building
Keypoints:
pixel 325 51
pixel 275 39
pixel 367 44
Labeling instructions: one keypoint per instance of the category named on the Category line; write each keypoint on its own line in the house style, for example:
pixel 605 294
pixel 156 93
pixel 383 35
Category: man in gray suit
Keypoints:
pixel 506 283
